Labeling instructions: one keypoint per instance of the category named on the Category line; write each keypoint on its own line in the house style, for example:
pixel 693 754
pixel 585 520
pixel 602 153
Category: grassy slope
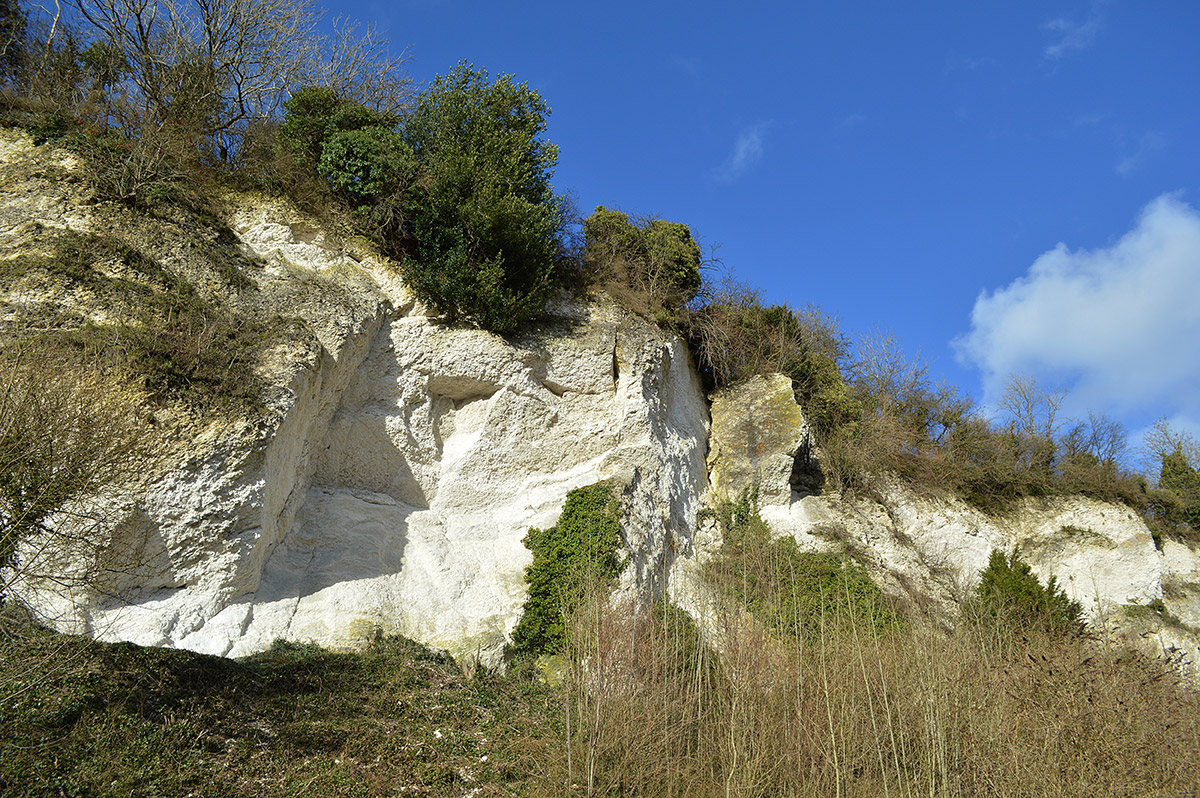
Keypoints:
pixel 84 718
pixel 913 711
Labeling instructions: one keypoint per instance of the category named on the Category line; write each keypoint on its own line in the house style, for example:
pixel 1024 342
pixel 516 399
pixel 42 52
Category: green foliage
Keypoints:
pixel 365 163
pixel 1009 592
pixel 794 593
pixel 574 555
pixel 311 112
pixel 736 337
pixel 355 148
pixel 1180 479
pixel 483 229
pixel 657 259
pixel 460 192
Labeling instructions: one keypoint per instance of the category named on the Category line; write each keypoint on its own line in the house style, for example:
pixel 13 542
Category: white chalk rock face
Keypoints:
pixel 406 463
pixel 1101 554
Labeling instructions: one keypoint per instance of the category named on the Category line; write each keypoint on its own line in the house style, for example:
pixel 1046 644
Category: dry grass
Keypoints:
pixel 911 712
pixel 646 709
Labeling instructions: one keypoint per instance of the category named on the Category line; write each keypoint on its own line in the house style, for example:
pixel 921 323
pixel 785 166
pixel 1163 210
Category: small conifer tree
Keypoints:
pixel 1011 593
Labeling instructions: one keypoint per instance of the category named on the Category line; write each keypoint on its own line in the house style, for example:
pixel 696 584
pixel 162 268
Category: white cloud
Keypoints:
pixel 1071 36
pixel 1149 144
pixel 747 151
pixel 1119 326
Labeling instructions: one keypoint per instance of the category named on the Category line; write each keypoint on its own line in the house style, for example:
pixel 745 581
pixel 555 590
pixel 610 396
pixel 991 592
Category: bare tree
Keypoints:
pixel 231 62
pixel 1032 409
pixel 1164 440
pixel 67 434
pixel 1033 420
pixel 13 27
pixel 1100 438
pixel 1107 439
pixel 884 376
pixel 359 66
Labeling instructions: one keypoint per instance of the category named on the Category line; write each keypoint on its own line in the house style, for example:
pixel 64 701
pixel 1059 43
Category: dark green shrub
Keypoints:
pixel 576 553
pixel 355 151
pixel 309 121
pixel 366 163
pixel 316 114
pixel 484 229
pixel 1010 593
pixel 460 193
pixel 1179 478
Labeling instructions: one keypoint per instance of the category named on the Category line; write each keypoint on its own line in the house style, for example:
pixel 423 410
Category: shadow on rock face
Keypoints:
pixel 806 478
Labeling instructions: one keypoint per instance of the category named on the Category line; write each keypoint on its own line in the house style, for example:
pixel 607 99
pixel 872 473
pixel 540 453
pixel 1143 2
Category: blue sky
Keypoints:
pixel 1006 186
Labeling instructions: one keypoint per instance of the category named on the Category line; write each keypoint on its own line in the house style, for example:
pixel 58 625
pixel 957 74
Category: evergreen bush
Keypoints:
pixel 1010 593
pixel 657 259
pixel 484 227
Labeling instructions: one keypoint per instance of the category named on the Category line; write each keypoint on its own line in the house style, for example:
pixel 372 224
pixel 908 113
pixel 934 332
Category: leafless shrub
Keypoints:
pixel 978 711
pixel 357 64
pixel 68 433
pixel 1162 440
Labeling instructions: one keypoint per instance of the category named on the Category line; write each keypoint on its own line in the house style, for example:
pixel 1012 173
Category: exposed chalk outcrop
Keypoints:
pixel 402 464
pixel 398 463
pixel 932 549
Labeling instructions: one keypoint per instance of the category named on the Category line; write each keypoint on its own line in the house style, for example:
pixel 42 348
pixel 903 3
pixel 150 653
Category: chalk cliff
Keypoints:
pixel 930 550
pixel 398 462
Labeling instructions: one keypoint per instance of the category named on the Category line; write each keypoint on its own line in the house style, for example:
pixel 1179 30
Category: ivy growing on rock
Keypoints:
pixel 577 553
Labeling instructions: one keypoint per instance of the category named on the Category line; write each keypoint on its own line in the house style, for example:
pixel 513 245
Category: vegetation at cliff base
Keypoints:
pixel 576 556
pixel 1010 593
pixel 793 593
pixel 119 719
pixel 645 708
pixel 785 672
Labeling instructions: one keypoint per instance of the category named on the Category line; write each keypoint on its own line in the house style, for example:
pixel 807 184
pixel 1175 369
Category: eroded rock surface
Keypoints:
pixel 398 463
pixel 399 466
pixel 932 549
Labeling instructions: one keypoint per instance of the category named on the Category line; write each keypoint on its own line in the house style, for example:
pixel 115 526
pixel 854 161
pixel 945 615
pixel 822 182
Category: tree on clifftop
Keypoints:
pixel 657 259
pixel 483 229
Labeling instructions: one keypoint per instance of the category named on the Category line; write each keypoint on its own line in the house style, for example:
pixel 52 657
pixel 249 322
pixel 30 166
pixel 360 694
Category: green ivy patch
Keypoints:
pixel 577 552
